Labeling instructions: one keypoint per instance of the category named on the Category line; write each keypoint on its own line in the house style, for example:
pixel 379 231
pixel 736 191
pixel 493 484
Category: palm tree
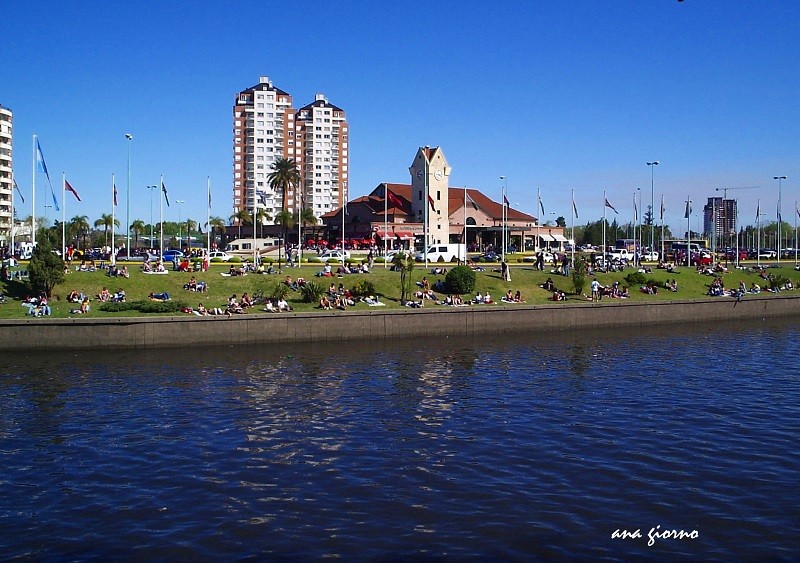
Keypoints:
pixel 216 224
pixel 262 217
pixel 191 225
pixel 138 227
pixel 105 221
pixel 284 176
pixel 287 219
pixel 79 226
pixel 241 216
pixel 307 218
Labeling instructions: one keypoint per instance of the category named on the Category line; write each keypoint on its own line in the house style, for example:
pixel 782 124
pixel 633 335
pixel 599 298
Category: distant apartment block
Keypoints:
pixel 719 217
pixel 266 126
pixel 6 180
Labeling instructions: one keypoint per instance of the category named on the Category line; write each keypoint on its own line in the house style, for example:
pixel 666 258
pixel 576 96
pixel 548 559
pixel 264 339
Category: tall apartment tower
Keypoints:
pixel 322 133
pixel 267 127
pixel 719 216
pixel 6 179
pixel 263 131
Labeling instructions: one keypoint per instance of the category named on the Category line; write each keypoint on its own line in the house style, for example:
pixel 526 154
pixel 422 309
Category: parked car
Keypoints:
pixel 768 254
pixel 334 255
pixel 219 255
pixel 486 257
pixel 651 256
pixel 548 258
pixel 169 256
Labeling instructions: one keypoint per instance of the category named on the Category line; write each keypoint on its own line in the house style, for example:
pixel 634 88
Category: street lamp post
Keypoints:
pixel 179 202
pixel 780 220
pixel 128 199
pixel 652 166
pixel 151 188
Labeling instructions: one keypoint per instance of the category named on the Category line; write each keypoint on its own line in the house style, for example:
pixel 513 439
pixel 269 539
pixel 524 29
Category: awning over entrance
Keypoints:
pixel 559 238
pixel 546 238
pixel 402 235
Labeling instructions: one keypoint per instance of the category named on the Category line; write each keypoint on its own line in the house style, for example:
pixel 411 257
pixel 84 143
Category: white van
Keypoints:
pixel 443 253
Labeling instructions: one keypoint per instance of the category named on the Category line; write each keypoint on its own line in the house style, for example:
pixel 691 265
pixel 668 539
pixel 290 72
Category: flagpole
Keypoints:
pixel 11 233
pixel 113 220
pixel 128 136
pixel 426 214
pixel 795 230
pixel 572 236
pixel 661 257
pixel 255 212
pixel 161 220
pixel 688 232
pixel 344 212
pixel 33 194
pixel 208 216
pixel 464 240
pixel 63 213
pixel 635 220
pixel 604 229
pixel 539 222
pixel 385 223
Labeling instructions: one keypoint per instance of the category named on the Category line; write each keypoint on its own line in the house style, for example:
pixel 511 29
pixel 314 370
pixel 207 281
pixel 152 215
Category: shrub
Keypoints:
pixel 314 260
pixel 216 260
pixel 579 275
pixel 635 278
pixel 312 291
pixel 363 288
pixel 460 280
pixel 235 260
pixel 276 290
pixel 777 282
pixel 144 306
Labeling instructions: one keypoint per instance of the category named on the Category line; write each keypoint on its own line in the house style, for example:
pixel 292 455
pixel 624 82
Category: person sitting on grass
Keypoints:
pixel 201 310
pixel 509 297
pixel 283 305
pixel 246 302
pixel 324 303
pixel 74 297
pixel 104 295
pixel 119 296
pixel 269 307
pixel 518 297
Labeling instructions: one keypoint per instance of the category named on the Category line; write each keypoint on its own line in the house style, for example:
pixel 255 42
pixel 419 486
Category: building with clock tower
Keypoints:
pixel 430 175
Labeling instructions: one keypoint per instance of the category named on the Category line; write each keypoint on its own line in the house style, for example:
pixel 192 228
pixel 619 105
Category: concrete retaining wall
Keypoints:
pixel 474 321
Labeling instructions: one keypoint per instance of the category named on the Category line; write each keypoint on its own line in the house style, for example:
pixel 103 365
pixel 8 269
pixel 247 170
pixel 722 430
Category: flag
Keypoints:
pixel 541 206
pixel 209 198
pixel 346 212
pixel 611 206
pixel 688 209
pixel 635 210
pixel 430 202
pixel 758 210
pixel 55 201
pixel 505 201
pixel 262 197
pixel 796 209
pixel 393 199
pixel 69 188
pixel 164 189
pixel 662 208
pixel 574 208
pixel 40 160
pixel 19 192
pixel 468 199
pixel 115 194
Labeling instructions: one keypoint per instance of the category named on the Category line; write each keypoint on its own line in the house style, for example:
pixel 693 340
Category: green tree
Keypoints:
pixel 579 275
pixel 217 225
pixel 137 227
pixel 262 217
pixel 46 269
pixel 283 177
pixel 307 218
pixel 561 222
pixel 460 280
pixel 404 263
pixel 242 216
pixel 105 221
pixel 79 227
pixel 287 219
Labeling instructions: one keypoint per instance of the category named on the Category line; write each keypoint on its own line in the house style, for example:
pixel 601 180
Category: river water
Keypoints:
pixel 527 447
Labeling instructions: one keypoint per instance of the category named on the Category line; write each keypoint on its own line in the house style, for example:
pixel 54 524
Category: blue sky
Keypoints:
pixel 553 95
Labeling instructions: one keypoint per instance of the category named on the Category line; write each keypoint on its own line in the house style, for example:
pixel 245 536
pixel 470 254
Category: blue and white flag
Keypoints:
pixel 40 160
pixel 16 187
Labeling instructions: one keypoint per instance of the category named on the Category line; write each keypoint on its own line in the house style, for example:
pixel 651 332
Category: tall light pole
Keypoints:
pixel 179 202
pixel 652 166
pixel 637 256
pixel 780 220
pixel 128 199
pixel 151 188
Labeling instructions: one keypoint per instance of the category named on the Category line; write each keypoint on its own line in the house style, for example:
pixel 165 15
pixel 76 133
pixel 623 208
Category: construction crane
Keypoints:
pixel 725 197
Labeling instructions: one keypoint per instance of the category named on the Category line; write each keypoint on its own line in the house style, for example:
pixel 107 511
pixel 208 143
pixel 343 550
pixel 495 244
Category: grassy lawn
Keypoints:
pixel 691 285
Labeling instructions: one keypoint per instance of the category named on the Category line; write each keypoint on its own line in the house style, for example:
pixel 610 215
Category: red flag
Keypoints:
pixel 393 199
pixel 71 189
pixel 430 201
